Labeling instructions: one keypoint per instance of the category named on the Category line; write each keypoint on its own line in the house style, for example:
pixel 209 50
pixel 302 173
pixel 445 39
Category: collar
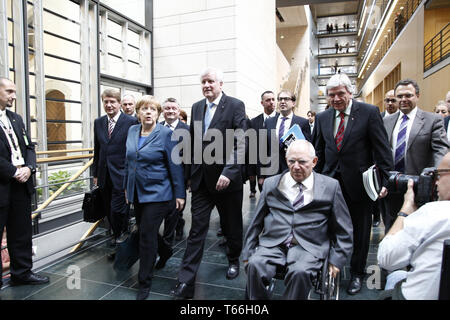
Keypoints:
pixel 347 111
pixel 307 183
pixel 216 101
pixel 173 124
pixel 411 114
pixel 289 116
pixel 390 114
pixel 266 116
pixel 116 117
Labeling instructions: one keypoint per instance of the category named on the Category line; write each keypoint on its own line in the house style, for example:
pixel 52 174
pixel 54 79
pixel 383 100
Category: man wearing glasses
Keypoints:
pixel 390 104
pixel 417 138
pixel 282 122
pixel 416 239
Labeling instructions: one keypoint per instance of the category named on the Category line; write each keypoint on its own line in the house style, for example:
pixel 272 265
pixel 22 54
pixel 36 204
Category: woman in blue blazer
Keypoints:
pixel 153 183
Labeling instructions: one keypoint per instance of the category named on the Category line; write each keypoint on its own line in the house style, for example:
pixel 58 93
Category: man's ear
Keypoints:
pixel 315 161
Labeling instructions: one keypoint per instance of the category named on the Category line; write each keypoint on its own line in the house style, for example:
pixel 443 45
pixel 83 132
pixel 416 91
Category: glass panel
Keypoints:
pixel 133 54
pixel 63 111
pixel 10 32
pixel 115 47
pixel 32 79
pixel 61 47
pixel 133 38
pixel 71 91
pixel 114 29
pixel 11 57
pixel 65 8
pixel 62 69
pixel 33 117
pixel 135 9
pixel 9 8
pixel 134 72
pixel 57 133
pixel 115 66
pixel 61 26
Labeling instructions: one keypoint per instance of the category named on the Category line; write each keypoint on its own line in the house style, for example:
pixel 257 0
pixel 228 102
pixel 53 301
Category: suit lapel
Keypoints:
pixel 276 192
pixel 417 125
pixel 329 121
pixel 390 125
pixel 219 111
pixel 152 136
pixel 351 119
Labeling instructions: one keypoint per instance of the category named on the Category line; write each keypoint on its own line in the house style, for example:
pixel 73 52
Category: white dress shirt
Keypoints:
pixel 337 117
pixel 216 103
pixel 289 187
pixel 386 114
pixel 411 116
pixel 173 125
pixel 419 244
pixel 267 116
pixel 16 155
pixel 287 123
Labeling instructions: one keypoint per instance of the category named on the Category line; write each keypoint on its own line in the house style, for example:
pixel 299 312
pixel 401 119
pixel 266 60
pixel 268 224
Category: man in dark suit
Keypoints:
pixel 390 104
pixel 259 123
pixel 128 104
pixel 174 223
pixel 215 177
pixel 17 165
pixel 298 214
pixel 349 138
pixel 110 137
pixel 417 138
pixel 282 123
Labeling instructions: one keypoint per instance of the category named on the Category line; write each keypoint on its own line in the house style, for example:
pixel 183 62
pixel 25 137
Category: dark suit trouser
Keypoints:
pixel 170 224
pixel 302 267
pixel 149 217
pixel 229 206
pixel 115 206
pixel 17 219
pixel 361 214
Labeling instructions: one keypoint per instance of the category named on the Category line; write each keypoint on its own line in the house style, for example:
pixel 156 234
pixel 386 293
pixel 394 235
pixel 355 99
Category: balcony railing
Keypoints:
pixel 437 49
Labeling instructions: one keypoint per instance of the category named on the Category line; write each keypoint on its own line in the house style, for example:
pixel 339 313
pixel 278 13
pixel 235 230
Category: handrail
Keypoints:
pixel 63 151
pixel 437 49
pixel 62 158
pixel 85 236
pixel 61 189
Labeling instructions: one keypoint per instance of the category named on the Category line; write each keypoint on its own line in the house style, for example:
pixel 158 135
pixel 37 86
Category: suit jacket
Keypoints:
pixel 150 169
pixel 230 114
pixel 109 154
pixel 179 137
pixel 446 120
pixel 365 143
pixel 272 124
pixel 7 170
pixel 314 225
pixel 427 141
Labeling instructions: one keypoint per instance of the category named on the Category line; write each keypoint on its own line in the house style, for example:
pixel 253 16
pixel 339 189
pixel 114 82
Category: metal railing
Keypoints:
pixel 437 49
pixel 36 213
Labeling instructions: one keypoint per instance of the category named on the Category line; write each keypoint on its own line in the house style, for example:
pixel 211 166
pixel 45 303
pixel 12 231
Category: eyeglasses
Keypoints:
pixel 390 100
pixel 440 172
pixel 284 99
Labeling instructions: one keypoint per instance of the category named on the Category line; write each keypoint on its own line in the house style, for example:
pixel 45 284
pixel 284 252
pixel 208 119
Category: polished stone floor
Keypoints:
pixel 99 281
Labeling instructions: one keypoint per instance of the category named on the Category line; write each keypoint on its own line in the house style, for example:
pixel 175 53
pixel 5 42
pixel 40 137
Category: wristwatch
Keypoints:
pixel 33 170
pixel 402 214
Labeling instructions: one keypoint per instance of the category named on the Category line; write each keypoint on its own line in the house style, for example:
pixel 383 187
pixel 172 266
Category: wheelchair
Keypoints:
pixel 324 285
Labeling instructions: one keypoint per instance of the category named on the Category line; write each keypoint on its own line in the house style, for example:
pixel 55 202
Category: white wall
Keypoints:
pixel 235 36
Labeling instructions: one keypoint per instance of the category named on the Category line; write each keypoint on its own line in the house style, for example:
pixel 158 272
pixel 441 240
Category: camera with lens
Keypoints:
pixel 424 185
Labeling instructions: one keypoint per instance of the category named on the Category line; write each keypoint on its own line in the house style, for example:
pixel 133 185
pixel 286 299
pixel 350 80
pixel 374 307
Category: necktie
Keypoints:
pixel 340 132
pixel 401 145
pixel 208 116
pixel 281 130
pixel 298 203
pixel 169 126
pixel 110 127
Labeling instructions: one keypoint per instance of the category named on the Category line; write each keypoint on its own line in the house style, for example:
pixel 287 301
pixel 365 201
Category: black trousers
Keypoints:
pixel 17 219
pixel 229 206
pixel 149 217
pixel 170 225
pixel 116 207
pixel 361 215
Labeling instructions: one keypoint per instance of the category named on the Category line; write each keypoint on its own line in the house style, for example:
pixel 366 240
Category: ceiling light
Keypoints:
pixel 282 37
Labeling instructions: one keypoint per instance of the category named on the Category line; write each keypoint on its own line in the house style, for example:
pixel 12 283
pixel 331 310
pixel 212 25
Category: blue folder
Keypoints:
pixel 294 133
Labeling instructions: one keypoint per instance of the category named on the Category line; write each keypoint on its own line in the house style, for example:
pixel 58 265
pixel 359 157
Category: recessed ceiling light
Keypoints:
pixel 282 37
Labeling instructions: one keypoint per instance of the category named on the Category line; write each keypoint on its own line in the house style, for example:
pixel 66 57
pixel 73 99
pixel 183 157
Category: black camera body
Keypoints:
pixel 424 185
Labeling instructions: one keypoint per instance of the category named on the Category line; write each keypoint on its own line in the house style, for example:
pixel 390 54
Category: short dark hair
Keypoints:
pixel 266 92
pixel 407 82
pixel 289 93
pixel 312 113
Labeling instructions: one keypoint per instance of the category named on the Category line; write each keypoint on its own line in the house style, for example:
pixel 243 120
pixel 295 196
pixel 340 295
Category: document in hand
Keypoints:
pixel 294 133
pixel 372 182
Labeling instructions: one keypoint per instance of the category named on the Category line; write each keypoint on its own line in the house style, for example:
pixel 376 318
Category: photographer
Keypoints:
pixel 416 240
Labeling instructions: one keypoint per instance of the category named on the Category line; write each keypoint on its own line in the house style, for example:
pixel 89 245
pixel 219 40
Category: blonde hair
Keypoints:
pixel 148 100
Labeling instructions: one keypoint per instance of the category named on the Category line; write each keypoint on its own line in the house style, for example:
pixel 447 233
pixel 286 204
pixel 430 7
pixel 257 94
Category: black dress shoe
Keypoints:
pixel 233 270
pixel 183 291
pixel 165 255
pixel 122 238
pixel 143 294
pixel 31 278
pixel 111 256
pixel 355 285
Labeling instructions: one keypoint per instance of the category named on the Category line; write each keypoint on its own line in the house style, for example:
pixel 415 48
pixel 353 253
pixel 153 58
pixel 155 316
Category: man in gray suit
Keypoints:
pixel 417 137
pixel 298 214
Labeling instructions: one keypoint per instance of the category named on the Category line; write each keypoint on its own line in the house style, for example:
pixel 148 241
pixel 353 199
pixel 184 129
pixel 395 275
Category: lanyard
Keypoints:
pixel 9 131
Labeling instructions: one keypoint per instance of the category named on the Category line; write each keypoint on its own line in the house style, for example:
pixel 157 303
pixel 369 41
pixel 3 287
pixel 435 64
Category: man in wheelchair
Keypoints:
pixel 299 213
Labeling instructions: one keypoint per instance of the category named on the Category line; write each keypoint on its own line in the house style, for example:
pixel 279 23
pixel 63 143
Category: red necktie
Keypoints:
pixel 340 132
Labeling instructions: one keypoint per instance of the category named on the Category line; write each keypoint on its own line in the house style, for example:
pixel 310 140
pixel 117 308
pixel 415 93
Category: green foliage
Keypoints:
pixel 60 177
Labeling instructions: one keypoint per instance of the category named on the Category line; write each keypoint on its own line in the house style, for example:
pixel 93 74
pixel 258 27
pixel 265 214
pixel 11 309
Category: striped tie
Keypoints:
pixel 281 130
pixel 110 127
pixel 340 132
pixel 401 145
pixel 298 203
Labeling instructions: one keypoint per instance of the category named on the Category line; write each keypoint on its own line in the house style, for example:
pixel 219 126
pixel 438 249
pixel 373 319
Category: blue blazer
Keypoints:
pixel 150 169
